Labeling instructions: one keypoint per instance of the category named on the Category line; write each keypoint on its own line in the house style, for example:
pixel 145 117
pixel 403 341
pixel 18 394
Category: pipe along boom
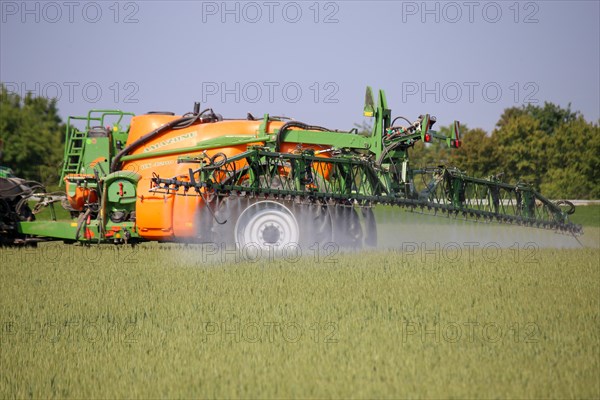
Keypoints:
pixel 267 181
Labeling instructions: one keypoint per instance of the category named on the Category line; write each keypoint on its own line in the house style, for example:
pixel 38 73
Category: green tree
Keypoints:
pixel 31 132
pixel 519 149
pixel 574 161
pixel 553 148
pixel 550 116
pixel 476 155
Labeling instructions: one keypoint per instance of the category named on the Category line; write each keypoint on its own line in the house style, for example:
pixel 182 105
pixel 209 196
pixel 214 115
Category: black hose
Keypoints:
pixel 401 117
pixel 567 203
pixel 217 160
pixel 179 123
pixel 82 219
pixel 295 124
pixel 31 185
pixel 386 150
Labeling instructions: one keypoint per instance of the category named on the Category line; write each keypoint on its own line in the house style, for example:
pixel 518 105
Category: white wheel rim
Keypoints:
pixel 265 225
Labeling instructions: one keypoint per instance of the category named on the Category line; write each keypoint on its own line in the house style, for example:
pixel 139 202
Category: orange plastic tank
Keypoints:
pixel 168 217
pixel 171 216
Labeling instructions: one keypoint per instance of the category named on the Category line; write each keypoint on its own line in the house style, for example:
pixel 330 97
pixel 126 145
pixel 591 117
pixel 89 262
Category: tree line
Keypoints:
pixel 31 136
pixel 553 148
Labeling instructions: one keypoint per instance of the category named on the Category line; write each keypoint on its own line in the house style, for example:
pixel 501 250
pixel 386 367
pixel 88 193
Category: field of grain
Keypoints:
pixel 202 321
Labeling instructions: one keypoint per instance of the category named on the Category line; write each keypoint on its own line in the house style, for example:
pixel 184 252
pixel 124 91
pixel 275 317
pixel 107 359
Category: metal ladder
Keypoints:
pixel 75 139
pixel 73 151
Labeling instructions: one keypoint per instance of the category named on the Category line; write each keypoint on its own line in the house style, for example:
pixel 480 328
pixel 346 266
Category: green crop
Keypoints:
pixel 189 321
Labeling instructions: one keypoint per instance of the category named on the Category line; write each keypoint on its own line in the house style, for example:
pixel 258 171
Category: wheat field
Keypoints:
pixel 189 321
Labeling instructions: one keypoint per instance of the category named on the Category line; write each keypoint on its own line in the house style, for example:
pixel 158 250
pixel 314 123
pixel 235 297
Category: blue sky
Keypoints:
pixel 465 60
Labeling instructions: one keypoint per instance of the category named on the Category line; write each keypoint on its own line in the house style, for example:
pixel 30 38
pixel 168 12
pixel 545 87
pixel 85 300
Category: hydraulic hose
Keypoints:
pixel 567 203
pixel 401 117
pixel 82 220
pixel 386 150
pixel 179 123
pixel 294 124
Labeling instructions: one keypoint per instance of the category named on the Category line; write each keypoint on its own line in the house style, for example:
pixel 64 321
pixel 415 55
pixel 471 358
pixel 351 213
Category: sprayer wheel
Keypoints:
pixel 370 227
pixel 267 224
pixel 272 224
pixel 277 224
pixel 347 231
pixel 316 227
pixel 352 229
